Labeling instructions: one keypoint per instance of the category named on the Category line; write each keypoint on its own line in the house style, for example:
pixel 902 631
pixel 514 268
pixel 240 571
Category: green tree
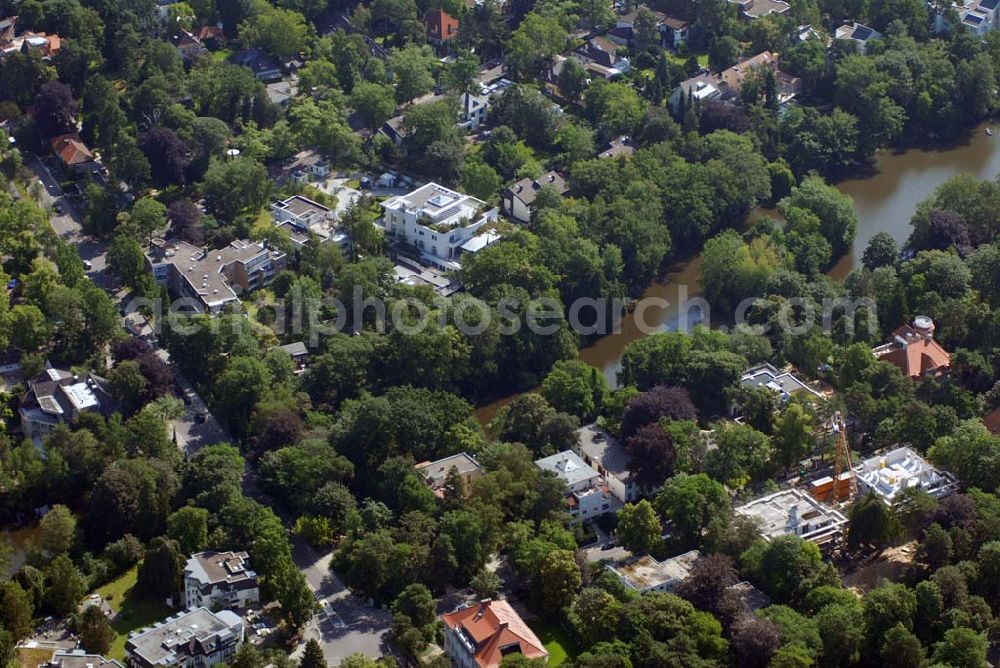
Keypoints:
pixel 16 609
pixel 147 216
pixel 189 527
pixel 29 328
pixel 128 386
pixel 872 523
pixel 961 648
pixel 787 567
pixel 575 387
pixel 127 261
pixel 281 32
pixel 312 656
pixel 413 69
pixel 94 630
pixel 58 529
pixel 560 579
pixel 480 180
pixel 902 649
pixel 374 103
pixel 691 502
pixel 64 586
pixel 236 186
pixel 160 573
pixel 885 607
pixel 835 211
pixel 417 603
pixel 639 527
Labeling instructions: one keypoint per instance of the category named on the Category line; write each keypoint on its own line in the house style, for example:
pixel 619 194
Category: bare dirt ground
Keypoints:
pixel 890 565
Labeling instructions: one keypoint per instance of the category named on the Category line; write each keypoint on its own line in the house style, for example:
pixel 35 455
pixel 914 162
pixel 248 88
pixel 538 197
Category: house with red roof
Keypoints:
pixel 481 635
pixel 74 154
pixel 914 350
pixel 441 28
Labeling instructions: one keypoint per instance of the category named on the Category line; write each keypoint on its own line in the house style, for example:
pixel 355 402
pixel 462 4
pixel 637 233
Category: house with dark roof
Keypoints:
pixel 599 56
pixel 758 9
pixel 219 579
pixel 441 29
pixel 264 67
pixel 209 279
pixel 519 199
pixel 188 639
pixel 188 45
pixel 57 397
pixel 859 34
pixel 673 32
pixel 481 635
pixel 914 351
pixel 621 145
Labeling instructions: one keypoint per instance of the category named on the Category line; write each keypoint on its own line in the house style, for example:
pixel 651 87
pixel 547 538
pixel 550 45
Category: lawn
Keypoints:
pixel 560 646
pixel 134 611
pixel 682 60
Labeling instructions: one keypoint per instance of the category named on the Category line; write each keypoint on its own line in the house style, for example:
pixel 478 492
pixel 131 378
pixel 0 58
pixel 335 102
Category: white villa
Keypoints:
pixel 889 474
pixel 587 494
pixel 439 223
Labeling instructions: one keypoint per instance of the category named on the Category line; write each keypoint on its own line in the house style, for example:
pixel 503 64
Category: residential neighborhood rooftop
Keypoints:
pixel 644 573
pixel 793 512
pixel 889 474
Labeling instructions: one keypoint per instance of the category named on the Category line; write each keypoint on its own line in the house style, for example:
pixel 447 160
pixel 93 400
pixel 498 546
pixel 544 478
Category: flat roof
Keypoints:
pixel 781 382
pixel 604 451
pixel 793 512
pixel 891 473
pixel 174 637
pixel 301 206
pixel 644 572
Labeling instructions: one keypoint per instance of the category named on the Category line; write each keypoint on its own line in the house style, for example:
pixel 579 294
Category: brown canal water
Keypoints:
pixel 19 541
pixel 885 201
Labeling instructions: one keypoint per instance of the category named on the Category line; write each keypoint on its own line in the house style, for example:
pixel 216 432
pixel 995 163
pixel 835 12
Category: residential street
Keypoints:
pixel 69 223
pixel 345 625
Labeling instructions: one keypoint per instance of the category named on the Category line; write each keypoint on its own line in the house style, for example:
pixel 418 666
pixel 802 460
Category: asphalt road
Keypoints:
pixel 352 626
pixel 69 224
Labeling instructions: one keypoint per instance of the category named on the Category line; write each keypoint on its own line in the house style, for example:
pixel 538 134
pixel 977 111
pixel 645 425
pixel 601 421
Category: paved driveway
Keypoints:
pixel 345 625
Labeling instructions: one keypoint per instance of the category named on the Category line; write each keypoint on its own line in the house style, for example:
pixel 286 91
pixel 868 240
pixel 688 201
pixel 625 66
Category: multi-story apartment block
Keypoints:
pixel 212 279
pixel 219 579
pixel 438 223
pixel 191 639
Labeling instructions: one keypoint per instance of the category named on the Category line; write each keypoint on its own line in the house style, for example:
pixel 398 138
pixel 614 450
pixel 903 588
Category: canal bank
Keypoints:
pixel 885 200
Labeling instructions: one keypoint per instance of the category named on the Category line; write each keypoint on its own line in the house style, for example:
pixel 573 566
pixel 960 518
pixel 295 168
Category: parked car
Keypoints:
pixel 88 265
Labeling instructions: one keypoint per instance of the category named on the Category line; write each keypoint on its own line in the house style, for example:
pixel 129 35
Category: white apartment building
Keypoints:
pixel 222 579
pixel 438 223
pixel 587 494
pixel 191 639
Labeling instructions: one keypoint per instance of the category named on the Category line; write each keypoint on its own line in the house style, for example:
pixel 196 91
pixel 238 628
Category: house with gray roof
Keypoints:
pixel 587 493
pixel 519 199
pixel 78 658
pixel 57 396
pixel 219 579
pixel 189 639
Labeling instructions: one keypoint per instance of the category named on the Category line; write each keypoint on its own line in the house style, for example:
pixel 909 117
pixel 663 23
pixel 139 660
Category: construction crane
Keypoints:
pixel 842 460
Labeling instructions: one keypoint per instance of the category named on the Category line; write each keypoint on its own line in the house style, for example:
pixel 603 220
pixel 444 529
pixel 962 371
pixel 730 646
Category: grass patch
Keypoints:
pixel 33 657
pixel 134 611
pixel 353 183
pixel 682 60
pixel 560 646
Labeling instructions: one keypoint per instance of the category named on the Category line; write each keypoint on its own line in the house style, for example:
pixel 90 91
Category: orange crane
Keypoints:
pixel 842 460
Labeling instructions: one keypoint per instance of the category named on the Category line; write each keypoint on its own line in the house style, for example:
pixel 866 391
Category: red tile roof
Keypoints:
pixel 493 627
pixel 920 356
pixel 440 25
pixel 71 150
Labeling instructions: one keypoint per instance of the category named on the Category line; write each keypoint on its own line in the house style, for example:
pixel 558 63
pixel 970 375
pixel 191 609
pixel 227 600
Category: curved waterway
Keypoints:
pixel 885 200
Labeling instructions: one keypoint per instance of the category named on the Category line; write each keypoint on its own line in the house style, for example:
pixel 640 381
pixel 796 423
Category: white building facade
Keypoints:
pixel 437 222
